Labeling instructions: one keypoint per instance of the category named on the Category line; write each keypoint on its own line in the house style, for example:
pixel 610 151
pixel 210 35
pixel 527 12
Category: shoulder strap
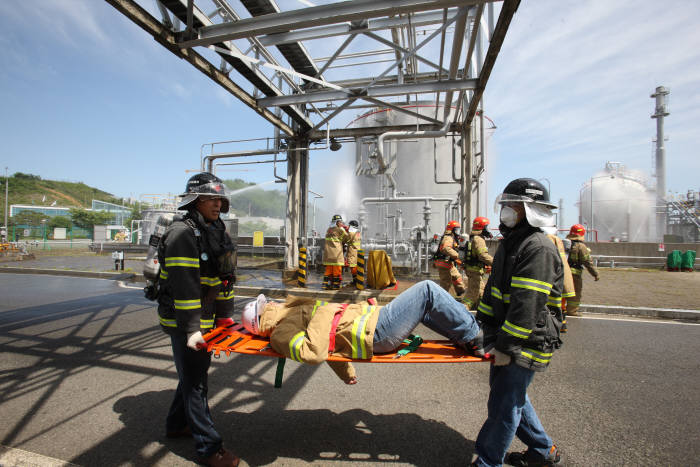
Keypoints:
pixel 334 326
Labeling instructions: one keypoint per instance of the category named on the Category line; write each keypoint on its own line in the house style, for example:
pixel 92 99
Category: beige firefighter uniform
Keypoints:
pixel 299 329
pixel 333 258
pixel 445 264
pixel 354 244
pixel 474 269
pixel 568 290
pixel 579 257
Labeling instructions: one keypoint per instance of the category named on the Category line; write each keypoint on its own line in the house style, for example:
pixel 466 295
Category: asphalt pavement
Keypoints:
pixel 86 378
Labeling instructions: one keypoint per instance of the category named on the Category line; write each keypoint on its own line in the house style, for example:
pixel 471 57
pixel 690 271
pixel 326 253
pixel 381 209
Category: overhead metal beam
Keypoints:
pixel 506 16
pixel 376 130
pixel 317 16
pixel 417 20
pixel 166 38
pixel 373 91
pixel 179 8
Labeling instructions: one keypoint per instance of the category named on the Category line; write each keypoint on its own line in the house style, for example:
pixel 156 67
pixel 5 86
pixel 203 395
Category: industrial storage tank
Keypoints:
pixel 617 204
pixel 419 175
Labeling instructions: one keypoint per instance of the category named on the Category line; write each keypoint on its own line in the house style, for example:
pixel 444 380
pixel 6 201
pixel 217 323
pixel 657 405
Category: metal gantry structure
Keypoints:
pixel 368 54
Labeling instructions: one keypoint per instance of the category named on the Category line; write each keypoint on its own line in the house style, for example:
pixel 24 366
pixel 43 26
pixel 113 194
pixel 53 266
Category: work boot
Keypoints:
pixel 564 327
pixel 222 458
pixel 533 459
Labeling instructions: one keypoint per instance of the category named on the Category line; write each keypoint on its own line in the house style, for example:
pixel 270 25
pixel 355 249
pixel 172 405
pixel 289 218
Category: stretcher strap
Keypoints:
pixel 334 326
pixel 280 372
pixel 413 341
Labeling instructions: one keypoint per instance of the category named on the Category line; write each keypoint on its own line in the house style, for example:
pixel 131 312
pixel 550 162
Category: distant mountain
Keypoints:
pixel 32 189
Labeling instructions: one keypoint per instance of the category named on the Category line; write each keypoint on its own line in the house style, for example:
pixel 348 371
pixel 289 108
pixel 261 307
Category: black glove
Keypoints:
pixel 151 291
pixel 227 283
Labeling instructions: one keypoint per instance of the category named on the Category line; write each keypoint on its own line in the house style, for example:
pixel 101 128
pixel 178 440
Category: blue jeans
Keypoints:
pixel 510 413
pixel 427 303
pixel 190 406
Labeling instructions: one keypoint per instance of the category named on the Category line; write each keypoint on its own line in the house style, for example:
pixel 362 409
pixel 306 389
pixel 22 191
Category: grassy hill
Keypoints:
pixel 31 189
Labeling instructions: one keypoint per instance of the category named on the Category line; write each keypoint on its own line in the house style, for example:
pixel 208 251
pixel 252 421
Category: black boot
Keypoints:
pixel 532 459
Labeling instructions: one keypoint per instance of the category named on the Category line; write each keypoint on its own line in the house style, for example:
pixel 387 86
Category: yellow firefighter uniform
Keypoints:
pixel 447 256
pixel 579 257
pixel 474 269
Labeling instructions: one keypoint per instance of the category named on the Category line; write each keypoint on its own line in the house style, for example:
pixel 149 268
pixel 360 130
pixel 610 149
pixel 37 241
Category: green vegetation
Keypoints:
pixel 246 229
pixel 88 219
pixel 31 189
pixel 256 201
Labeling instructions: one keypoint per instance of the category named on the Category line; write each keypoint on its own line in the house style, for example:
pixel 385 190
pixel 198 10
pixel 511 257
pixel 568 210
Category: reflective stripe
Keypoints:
pixel 210 281
pixel 576 271
pixel 536 355
pixel 496 293
pixel 181 261
pixel 569 294
pixel 485 309
pixel 554 301
pixel 316 305
pixel 187 304
pixel 482 250
pixel 168 323
pixel 506 298
pixel 295 346
pixel 359 330
pixel 206 323
pixel 333 239
pixel 516 331
pixel 531 284
pixel 225 296
pixel 163 274
pixel 442 264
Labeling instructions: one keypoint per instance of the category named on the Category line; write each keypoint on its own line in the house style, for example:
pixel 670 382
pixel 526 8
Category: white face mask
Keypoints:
pixel 509 216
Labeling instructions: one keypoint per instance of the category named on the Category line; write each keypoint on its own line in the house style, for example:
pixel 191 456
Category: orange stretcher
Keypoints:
pixel 236 339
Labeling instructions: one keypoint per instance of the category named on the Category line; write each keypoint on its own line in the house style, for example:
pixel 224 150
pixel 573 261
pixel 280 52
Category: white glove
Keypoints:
pixel 500 358
pixel 195 341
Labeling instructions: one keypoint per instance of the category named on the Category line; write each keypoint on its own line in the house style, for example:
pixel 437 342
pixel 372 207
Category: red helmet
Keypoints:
pixel 452 225
pixel 480 223
pixel 577 229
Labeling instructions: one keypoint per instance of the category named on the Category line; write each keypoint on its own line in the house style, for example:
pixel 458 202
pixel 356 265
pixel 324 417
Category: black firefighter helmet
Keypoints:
pixel 204 184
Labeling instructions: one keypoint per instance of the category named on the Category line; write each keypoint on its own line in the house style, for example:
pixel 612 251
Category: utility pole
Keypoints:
pixel 7 184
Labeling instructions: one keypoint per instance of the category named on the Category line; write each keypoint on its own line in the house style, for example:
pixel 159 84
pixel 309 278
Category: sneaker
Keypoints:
pixel 533 459
pixel 222 458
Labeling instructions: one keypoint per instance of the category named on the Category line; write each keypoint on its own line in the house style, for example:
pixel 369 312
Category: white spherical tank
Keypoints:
pixel 617 205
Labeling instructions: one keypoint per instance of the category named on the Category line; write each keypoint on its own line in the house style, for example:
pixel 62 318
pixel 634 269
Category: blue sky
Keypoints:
pixel 88 96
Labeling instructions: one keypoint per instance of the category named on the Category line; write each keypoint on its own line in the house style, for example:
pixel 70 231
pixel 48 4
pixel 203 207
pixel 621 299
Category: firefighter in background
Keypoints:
pixel 333 258
pixel 447 257
pixel 569 290
pixel 579 257
pixel 354 244
pixel 477 259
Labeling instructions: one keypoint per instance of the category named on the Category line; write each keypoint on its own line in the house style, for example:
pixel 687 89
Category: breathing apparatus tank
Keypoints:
pixel 151 267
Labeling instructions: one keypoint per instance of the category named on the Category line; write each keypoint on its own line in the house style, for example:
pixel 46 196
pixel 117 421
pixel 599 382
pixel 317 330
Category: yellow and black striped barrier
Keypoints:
pixel 301 270
pixel 360 276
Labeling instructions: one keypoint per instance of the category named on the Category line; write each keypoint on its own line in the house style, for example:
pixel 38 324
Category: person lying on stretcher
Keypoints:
pixel 308 330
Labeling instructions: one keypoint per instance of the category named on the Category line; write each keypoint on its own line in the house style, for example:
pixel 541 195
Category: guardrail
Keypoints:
pixel 632 261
